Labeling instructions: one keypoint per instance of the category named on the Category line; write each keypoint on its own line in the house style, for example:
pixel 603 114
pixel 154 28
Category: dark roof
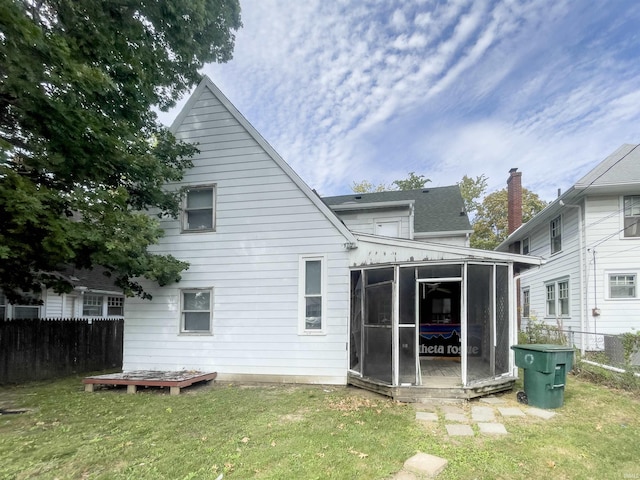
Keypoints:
pixel 93 279
pixel 437 209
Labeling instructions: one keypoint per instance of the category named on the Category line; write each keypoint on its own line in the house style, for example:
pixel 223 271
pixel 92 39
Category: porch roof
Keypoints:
pixel 373 249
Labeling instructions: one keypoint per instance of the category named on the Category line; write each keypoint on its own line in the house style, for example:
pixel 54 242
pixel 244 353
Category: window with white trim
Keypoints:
pixel 312 294
pixel 91 305
pixel 555 234
pixel 196 310
pixel 524 246
pixel 557 298
pixel 115 306
pixel 632 216
pixel 9 310
pixel 3 306
pixel 622 285
pixel 101 305
pixel 526 303
pixel 199 209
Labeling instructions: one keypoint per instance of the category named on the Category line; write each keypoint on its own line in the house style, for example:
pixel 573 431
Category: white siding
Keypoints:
pixel 610 252
pixel 264 222
pixel 364 221
pixel 563 265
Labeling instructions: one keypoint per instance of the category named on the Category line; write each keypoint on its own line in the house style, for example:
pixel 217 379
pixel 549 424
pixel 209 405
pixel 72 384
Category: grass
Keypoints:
pixel 281 431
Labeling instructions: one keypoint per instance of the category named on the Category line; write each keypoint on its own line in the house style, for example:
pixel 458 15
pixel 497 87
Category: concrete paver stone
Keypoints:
pixel 511 412
pixel 538 412
pixel 425 464
pixel 482 414
pixel 427 416
pixel 492 428
pixel 459 430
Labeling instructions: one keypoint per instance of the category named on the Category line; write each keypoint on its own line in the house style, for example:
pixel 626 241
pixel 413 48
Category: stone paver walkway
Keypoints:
pixel 483 417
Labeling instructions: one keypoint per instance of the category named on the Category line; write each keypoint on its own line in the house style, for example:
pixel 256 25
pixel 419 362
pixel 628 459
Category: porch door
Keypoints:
pixel 378 325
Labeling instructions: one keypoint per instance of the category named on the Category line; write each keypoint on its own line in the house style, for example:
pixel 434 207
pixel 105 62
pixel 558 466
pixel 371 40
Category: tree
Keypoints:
pixel 82 155
pixel 490 223
pixel 472 189
pixel 412 182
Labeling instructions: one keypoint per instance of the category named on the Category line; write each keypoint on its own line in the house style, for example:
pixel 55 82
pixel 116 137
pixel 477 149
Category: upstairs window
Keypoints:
pixel 622 285
pixel 555 233
pixel 199 210
pixel 525 246
pixel 632 216
pixel 312 291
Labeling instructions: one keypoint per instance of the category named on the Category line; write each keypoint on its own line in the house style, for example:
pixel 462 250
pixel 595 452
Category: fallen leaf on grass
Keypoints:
pixel 359 454
pixel 551 464
pixel 245 439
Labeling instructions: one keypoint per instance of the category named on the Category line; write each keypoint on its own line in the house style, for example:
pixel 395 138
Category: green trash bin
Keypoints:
pixel 545 372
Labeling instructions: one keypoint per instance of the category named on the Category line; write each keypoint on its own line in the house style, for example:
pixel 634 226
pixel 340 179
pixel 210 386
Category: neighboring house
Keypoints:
pixel 590 238
pixel 93 296
pixel 430 214
pixel 280 289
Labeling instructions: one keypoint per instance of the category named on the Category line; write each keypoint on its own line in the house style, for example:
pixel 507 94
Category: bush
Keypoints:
pixel 538 331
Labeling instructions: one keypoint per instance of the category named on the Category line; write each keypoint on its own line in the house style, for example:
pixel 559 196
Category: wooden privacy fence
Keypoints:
pixel 40 349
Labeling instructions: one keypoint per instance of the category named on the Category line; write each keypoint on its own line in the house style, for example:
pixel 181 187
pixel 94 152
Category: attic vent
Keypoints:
pixel 425 191
pixel 358 197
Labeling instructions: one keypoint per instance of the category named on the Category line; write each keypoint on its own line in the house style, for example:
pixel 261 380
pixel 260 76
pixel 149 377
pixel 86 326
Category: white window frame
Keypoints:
pixel 302 295
pixel 105 300
pixel 555 232
pixel 182 311
pixel 10 309
pixel 608 278
pixel 561 290
pixel 633 212
pixel 526 302
pixel 526 240
pixel 184 221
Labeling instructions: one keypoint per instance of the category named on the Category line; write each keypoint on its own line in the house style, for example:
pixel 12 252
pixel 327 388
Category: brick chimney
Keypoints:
pixel 514 194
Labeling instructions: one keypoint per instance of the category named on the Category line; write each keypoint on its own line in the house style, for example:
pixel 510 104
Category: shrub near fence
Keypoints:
pixel 40 349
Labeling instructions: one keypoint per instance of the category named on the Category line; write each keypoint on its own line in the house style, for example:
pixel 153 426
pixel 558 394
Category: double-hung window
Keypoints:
pixel 92 305
pixel 312 294
pixel 524 246
pixel 622 285
pixel 100 305
pixel 632 216
pixel 8 310
pixel 199 209
pixel 526 303
pixel 555 233
pixel 196 313
pixel 557 298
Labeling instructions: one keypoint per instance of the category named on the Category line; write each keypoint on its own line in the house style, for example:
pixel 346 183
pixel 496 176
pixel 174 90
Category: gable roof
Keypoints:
pixel 437 209
pixel 616 174
pixel 206 83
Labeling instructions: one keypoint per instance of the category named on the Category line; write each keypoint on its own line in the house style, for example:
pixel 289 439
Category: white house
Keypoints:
pixel 280 289
pixel 94 296
pixel 430 214
pixel 590 238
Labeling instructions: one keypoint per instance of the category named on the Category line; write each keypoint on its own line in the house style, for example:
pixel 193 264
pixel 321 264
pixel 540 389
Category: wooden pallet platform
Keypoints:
pixel 150 378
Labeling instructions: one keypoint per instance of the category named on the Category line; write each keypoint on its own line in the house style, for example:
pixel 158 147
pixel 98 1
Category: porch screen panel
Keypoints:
pixel 479 322
pixel 407 327
pixel 502 320
pixel 355 326
pixel 377 358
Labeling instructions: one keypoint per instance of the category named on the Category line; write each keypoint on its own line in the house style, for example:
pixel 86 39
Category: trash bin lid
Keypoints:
pixel 543 347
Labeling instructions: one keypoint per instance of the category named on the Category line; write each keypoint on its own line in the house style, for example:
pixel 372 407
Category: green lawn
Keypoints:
pixel 293 432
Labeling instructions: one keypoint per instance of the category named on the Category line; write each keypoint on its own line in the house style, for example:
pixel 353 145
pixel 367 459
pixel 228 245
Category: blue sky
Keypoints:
pixel 347 90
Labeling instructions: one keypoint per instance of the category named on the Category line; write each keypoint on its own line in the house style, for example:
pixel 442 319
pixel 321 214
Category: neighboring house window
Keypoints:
pixel 196 311
pixel 8 310
pixel 115 306
pixel 551 300
pixel 555 230
pixel 622 285
pixel 558 298
pixel 526 303
pixel 525 246
pixel 199 210
pixel 632 216
pixel 97 305
pixel 91 305
pixel 312 280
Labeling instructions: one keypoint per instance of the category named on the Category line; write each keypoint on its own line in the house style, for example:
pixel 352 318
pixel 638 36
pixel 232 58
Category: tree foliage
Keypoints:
pixel 472 189
pixel 412 182
pixel 82 155
pixel 490 225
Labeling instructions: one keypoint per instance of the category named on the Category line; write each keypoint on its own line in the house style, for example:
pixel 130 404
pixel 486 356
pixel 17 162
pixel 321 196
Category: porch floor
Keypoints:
pixel 175 380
